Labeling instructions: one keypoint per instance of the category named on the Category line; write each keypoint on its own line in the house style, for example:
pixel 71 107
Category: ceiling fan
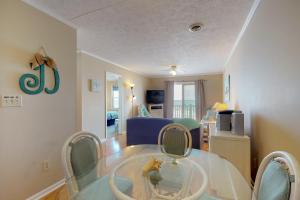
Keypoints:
pixel 174 70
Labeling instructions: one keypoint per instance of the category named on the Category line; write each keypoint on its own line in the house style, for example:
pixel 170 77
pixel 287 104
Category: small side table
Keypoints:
pixel 206 127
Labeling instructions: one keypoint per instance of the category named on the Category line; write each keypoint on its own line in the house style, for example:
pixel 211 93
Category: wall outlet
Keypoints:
pixel 11 100
pixel 45 165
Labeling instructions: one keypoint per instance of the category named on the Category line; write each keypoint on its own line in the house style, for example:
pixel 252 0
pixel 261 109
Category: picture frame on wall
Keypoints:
pixel 227 88
pixel 95 85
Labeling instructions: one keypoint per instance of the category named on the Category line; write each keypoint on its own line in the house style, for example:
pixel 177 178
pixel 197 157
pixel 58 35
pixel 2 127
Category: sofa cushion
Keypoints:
pixel 187 122
pixel 143 112
pixel 144 130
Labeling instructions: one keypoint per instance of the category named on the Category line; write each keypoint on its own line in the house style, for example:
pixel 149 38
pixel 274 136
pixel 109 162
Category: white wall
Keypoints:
pixel 213 86
pixel 265 81
pixel 36 131
pixel 93 104
pixel 109 99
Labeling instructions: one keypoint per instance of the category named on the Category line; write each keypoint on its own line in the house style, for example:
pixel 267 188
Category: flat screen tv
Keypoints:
pixel 155 96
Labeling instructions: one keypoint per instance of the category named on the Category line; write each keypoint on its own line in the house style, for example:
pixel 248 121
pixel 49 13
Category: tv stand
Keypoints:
pixel 156 110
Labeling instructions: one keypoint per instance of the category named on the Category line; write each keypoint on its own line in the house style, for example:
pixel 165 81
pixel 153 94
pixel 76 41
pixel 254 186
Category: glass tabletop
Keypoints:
pixel 157 176
pixel 223 180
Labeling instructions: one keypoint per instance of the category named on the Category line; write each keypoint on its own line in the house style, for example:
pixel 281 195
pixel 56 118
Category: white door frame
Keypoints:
pixel 121 104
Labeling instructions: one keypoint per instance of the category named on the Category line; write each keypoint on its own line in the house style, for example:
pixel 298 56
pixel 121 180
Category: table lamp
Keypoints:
pixel 220 106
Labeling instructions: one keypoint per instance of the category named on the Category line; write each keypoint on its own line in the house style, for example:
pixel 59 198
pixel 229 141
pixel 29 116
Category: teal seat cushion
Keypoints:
pixel 84 161
pixel 174 141
pixel 187 122
pixel 100 189
pixel 144 112
pixel 205 196
pixel 275 183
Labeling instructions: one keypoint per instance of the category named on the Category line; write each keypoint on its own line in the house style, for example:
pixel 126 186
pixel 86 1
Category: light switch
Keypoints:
pixel 11 100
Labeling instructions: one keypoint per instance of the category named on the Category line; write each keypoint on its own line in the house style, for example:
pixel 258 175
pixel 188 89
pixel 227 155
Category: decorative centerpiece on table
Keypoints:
pixel 169 175
pixel 151 171
pixel 165 175
pixel 159 178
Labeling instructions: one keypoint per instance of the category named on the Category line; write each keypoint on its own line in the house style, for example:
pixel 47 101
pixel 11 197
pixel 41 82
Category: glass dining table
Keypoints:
pixel 206 175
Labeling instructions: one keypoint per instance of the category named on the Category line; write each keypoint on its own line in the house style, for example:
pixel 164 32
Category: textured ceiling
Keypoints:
pixel 146 36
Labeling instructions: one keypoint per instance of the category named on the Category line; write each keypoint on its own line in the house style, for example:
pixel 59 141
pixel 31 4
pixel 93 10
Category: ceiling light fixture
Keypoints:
pixel 173 70
pixel 196 27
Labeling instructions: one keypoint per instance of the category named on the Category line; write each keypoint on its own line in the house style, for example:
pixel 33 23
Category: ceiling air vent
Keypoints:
pixel 196 27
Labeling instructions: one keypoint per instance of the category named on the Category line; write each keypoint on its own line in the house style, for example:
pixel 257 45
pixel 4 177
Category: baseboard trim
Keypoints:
pixel 47 190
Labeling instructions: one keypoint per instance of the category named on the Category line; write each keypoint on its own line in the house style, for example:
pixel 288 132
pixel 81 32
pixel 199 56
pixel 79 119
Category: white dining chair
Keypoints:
pixel 81 157
pixel 175 140
pixel 277 178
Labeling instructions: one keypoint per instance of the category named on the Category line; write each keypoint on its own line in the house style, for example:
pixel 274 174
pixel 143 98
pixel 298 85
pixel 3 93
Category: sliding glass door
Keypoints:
pixel 184 100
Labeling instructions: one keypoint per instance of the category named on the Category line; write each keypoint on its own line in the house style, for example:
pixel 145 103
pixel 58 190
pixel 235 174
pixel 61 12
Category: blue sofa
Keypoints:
pixel 145 130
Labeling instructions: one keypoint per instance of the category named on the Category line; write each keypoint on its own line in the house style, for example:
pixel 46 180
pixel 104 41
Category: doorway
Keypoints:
pixel 184 100
pixel 113 105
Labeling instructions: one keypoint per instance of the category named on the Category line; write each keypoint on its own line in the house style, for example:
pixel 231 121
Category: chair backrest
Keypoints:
pixel 277 178
pixel 80 155
pixel 175 140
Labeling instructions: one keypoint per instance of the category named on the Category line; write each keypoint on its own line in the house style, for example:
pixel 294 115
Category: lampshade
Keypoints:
pixel 220 106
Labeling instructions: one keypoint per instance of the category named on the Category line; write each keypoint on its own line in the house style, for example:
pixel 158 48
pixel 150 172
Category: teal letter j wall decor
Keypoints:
pixel 56 83
pixel 32 84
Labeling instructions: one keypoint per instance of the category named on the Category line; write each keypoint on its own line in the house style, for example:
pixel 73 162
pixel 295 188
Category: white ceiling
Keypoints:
pixel 146 36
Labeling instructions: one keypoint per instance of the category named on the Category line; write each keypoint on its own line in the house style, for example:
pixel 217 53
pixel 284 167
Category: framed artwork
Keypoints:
pixel 95 85
pixel 227 88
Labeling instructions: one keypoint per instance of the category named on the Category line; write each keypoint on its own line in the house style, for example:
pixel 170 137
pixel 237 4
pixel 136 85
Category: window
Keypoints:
pixel 184 100
pixel 115 97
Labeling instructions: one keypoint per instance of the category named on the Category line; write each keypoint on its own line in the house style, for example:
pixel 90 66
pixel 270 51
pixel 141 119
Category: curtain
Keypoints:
pixel 169 99
pixel 200 99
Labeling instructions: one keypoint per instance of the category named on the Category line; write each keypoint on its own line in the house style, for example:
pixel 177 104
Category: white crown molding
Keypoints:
pixel 48 12
pixel 185 75
pixel 110 62
pixel 47 190
pixel 142 74
pixel 247 22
